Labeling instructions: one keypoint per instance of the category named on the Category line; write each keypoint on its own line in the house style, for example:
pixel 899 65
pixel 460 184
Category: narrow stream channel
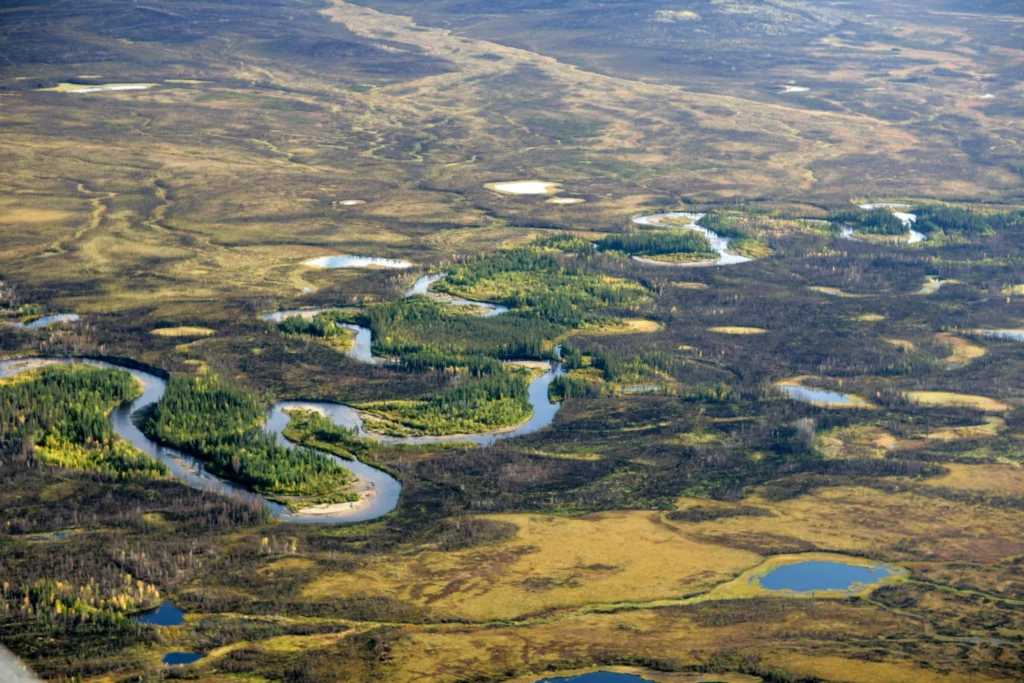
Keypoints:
pixel 718 243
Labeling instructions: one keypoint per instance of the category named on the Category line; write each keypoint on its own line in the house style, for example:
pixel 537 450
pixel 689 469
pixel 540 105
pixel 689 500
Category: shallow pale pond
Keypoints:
pixel 1011 335
pixel 524 187
pixel 348 261
pixel 808 395
pixel 824 575
pixel 48 320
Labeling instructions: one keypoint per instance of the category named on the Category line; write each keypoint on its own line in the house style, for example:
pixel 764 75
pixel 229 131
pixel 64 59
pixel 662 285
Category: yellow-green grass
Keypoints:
pixel 1000 479
pixel 624 326
pixel 857 441
pixel 989 428
pixel 858 670
pixel 859 521
pixel 552 562
pixel 279 645
pixel 646 675
pixel 1014 290
pixel 963 351
pixel 835 291
pixel 748 584
pixel 678 259
pixel 183 331
pixel 690 639
pixel 949 398
pixel 737 330
pixel 750 248
pixel 870 317
pixel 903 344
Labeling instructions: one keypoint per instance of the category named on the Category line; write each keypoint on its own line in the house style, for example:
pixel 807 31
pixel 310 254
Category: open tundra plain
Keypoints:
pixel 513 340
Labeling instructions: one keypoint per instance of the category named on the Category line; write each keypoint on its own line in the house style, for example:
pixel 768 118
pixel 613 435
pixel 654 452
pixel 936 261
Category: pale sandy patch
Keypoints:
pixel 31 216
pixel 81 89
pixel 367 492
pixel 183 331
pixel 524 187
pixel 738 330
pixel 530 364
pixel 304 408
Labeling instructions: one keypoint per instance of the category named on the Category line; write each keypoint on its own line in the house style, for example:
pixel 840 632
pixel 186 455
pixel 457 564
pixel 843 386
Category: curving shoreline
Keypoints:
pixel 379 491
pixel 718 243
pixel 383 490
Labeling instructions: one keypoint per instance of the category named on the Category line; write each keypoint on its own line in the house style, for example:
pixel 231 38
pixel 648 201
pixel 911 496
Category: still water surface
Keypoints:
pixel 823 575
pixel 808 395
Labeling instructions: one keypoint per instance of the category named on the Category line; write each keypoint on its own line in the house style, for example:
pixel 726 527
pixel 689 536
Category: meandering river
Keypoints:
pixel 718 243
pixel 908 219
pixel 385 490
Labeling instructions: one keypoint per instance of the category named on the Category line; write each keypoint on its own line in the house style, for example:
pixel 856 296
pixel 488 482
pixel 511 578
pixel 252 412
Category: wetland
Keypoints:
pixel 400 341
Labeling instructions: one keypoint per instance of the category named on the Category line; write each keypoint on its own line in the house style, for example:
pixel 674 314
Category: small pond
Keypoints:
pixel 808 395
pixel 164 615
pixel 48 320
pixel 181 658
pixel 347 261
pixel 824 575
pixel 598 677
pixel 1011 335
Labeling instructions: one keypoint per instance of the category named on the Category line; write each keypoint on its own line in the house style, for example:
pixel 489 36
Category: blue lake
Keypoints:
pixel 822 575
pixel 181 658
pixel 164 615
pixel 598 677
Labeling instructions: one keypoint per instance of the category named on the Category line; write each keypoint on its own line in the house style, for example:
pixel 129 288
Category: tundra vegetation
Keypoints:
pixel 171 217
